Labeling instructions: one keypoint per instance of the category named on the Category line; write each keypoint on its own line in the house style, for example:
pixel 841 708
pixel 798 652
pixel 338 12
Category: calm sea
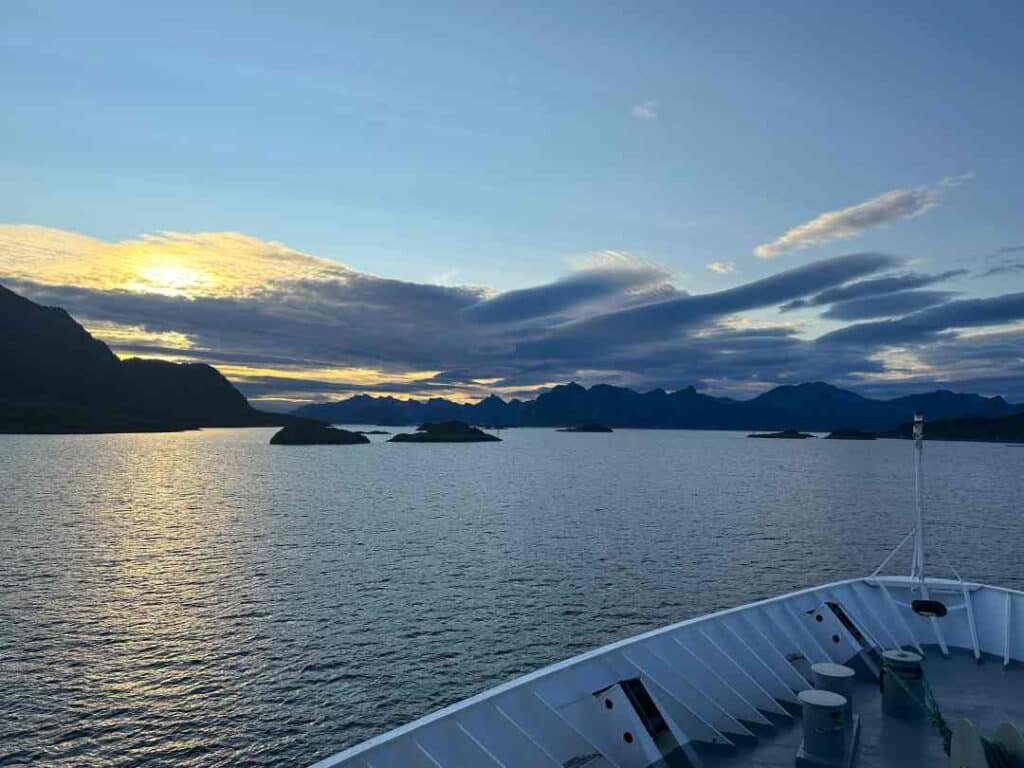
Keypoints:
pixel 205 599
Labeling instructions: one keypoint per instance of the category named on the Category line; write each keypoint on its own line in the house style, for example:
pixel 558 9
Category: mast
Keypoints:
pixel 917 569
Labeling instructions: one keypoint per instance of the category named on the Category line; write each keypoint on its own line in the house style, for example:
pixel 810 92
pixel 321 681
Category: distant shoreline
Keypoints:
pixel 738 432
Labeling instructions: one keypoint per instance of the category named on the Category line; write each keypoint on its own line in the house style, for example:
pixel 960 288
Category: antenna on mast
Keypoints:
pixel 917 568
pixel 924 605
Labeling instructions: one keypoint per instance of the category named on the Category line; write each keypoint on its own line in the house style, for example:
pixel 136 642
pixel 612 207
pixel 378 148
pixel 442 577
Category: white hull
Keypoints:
pixel 712 678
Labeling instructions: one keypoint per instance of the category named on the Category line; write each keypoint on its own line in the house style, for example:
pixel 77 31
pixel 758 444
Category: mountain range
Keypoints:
pixel 816 407
pixel 55 377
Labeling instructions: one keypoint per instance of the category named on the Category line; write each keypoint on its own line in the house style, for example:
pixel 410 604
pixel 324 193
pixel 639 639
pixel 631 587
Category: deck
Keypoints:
pixel 720 690
pixel 985 692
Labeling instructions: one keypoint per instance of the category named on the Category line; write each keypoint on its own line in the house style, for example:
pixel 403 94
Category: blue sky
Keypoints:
pixel 486 145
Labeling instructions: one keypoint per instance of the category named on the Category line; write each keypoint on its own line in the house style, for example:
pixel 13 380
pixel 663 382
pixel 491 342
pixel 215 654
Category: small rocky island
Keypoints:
pixel 445 432
pixel 372 432
pixel 592 426
pixel 312 433
pixel 850 434
pixel 786 434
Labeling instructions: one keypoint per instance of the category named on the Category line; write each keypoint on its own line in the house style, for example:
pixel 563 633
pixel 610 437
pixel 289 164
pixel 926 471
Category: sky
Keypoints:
pixel 452 199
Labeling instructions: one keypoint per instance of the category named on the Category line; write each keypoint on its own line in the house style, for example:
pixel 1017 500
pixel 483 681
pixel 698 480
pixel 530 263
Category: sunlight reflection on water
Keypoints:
pixel 205 599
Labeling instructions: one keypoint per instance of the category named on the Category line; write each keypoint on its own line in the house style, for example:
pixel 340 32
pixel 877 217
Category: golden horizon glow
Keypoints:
pixel 334 375
pixel 174 264
pixel 307 398
pixel 116 335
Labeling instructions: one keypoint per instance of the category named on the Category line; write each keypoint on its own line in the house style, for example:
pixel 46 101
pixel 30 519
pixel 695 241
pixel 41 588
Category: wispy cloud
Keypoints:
pixel 878 286
pixel 645 110
pixel 1006 268
pixel 1007 264
pixel 582 290
pixel 722 267
pixel 853 220
pixel 887 305
pixel 934 323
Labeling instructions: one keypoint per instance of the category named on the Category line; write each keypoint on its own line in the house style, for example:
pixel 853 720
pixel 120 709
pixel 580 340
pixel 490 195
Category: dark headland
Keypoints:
pixel 55 378
pixel 592 426
pixel 311 433
pixel 445 432
pixel 1006 429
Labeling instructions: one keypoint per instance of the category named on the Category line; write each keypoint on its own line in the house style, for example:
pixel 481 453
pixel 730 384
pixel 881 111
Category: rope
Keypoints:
pixel 935 715
pixel 930 705
pixel 995 754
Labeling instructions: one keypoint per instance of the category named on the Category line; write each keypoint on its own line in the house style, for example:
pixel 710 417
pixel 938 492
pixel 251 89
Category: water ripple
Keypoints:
pixel 202 600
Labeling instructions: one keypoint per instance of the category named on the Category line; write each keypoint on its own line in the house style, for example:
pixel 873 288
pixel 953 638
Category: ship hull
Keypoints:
pixel 703 690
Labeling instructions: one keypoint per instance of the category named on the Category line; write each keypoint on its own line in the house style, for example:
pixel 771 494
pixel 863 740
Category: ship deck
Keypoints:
pixel 985 692
pixel 720 691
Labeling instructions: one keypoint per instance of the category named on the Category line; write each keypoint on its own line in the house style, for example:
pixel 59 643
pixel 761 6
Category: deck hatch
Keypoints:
pixel 645 707
pixel 847 623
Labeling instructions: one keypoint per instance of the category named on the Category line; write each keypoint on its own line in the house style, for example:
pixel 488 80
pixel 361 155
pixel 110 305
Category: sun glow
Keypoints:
pixel 338 375
pixel 171 279
pixel 172 264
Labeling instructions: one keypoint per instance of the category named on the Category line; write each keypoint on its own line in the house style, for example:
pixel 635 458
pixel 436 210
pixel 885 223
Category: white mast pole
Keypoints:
pixel 917 569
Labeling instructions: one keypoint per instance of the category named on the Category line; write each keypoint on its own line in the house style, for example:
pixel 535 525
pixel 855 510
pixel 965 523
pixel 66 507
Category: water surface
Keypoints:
pixel 205 599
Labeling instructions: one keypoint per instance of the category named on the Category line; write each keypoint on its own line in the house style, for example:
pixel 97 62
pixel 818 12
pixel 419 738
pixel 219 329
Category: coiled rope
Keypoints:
pixel 995 755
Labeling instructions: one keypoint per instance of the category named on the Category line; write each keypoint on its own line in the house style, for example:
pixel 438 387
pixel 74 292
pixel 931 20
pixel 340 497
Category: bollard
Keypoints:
pixel 824 730
pixel 902 685
pixel 838 679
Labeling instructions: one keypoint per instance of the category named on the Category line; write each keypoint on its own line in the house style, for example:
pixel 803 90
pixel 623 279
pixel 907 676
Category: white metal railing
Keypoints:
pixel 708 676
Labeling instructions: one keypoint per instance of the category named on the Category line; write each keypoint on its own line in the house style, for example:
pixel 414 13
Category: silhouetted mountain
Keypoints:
pixel 943 404
pixel 1003 429
pixel 817 407
pixel 821 407
pixel 55 377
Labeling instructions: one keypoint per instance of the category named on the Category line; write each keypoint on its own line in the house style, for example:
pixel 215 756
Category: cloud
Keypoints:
pixel 584 287
pixel 887 305
pixel 850 222
pixel 446 277
pixel 645 110
pixel 1006 264
pixel 930 324
pixel 721 267
pixel 170 263
pixel 654 321
pixel 986 362
pixel 877 286
pixel 288 326
pixel 1007 268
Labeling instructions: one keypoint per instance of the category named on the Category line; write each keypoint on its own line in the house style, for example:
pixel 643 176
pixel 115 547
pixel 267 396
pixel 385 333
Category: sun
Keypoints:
pixel 171 280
